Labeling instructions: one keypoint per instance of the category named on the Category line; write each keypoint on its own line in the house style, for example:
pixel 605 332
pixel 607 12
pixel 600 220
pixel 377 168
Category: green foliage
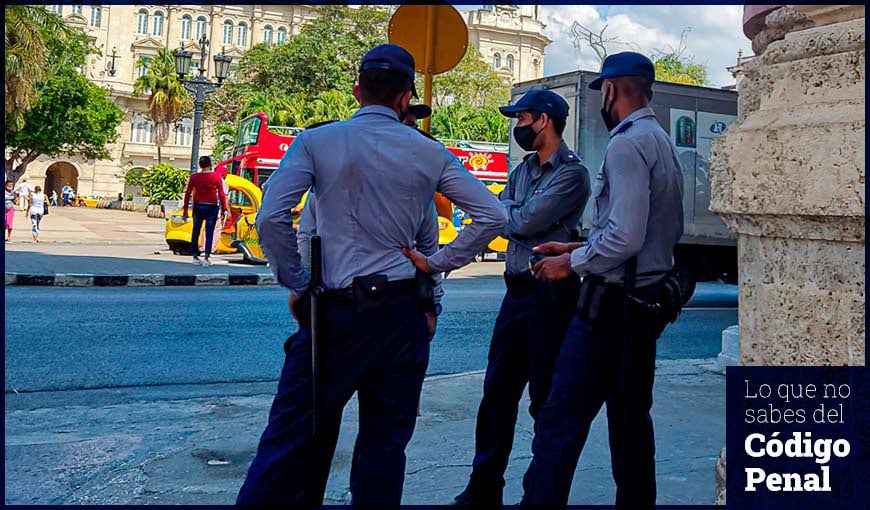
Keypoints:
pixel 225 134
pixel 160 182
pixel 673 69
pixel 472 81
pixel 167 97
pixel 465 122
pixel 30 36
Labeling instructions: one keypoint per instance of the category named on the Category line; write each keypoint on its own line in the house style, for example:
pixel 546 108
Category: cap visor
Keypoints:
pixel 596 85
pixel 421 111
pixel 511 111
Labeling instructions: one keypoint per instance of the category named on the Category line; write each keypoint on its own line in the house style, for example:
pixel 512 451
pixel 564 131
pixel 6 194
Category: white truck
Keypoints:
pixel 694 117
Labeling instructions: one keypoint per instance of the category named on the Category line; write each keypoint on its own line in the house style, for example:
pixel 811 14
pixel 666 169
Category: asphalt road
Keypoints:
pixel 61 339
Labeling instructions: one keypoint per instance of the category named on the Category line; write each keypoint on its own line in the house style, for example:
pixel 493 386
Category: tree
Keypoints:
pixel 69 114
pixel 461 121
pixel 25 30
pixel 472 81
pixel 167 98
pixel 672 65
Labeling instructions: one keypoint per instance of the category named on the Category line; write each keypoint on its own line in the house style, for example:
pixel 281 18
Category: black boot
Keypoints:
pixel 476 499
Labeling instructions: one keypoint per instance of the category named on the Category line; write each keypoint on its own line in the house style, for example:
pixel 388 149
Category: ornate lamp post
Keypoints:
pixel 200 86
pixel 111 67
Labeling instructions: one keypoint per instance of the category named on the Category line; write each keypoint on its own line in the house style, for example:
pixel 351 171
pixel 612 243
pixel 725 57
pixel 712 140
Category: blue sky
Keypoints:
pixel 716 34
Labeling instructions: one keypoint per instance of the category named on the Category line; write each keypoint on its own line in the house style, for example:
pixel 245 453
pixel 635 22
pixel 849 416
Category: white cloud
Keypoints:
pixel 715 37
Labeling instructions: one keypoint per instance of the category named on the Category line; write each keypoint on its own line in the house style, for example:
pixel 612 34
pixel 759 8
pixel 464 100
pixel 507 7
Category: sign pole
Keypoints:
pixel 428 63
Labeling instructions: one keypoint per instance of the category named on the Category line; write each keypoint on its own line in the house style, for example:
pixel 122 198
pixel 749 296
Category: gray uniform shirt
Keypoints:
pixel 426 240
pixel 544 203
pixel 374 179
pixel 638 204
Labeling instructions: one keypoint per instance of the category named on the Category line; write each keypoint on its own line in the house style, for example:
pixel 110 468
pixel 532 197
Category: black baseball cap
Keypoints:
pixel 627 63
pixel 540 100
pixel 390 57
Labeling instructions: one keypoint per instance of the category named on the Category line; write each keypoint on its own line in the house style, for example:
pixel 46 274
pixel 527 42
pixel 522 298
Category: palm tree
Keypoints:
pixel 26 56
pixel 168 98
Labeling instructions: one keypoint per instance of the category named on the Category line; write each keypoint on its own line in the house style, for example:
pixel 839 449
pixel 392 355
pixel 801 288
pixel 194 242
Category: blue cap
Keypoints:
pixel 390 57
pixel 540 100
pixel 627 63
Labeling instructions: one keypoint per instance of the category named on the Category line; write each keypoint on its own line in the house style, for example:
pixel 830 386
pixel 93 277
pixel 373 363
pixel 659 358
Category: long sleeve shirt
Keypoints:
pixel 638 204
pixel 374 179
pixel 206 188
pixel 544 203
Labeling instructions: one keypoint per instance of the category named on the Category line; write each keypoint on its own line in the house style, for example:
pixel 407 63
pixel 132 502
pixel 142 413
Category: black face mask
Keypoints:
pixel 606 116
pixel 526 136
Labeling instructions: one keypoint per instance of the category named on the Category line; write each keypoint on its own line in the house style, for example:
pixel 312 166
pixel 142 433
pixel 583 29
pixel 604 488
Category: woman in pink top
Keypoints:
pixel 209 199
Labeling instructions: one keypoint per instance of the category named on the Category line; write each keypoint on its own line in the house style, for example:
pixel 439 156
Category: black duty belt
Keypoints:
pixel 393 288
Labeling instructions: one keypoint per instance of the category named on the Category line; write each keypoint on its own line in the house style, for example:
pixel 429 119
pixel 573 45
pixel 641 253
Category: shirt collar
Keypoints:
pixel 637 114
pixel 537 169
pixel 377 108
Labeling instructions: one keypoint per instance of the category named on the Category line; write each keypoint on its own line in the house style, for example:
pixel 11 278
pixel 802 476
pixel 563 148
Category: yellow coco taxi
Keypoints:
pixel 447 232
pixel 244 199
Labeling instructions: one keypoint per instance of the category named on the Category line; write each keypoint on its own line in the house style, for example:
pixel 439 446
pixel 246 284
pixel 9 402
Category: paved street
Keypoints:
pixel 127 396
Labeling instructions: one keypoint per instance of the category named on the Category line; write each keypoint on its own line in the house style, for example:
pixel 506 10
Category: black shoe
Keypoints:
pixel 466 498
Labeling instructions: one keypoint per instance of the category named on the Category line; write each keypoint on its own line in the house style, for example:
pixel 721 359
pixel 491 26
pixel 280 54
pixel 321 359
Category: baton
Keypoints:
pixel 535 258
pixel 315 290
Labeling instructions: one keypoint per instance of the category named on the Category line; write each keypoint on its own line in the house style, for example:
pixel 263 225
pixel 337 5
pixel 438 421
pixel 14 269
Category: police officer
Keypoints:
pixel 626 299
pixel 374 179
pixel 544 199
pixel 414 113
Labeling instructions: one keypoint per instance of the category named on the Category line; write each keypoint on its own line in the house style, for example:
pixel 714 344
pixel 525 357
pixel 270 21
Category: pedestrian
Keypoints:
pixel 67 193
pixel 628 296
pixel 24 192
pixel 374 180
pixel 11 200
pixel 544 198
pixel 38 208
pixel 209 202
pixel 225 221
pixel 54 197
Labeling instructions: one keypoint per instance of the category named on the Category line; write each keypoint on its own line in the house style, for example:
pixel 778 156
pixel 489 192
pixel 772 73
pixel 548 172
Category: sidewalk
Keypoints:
pixel 102 247
pixel 185 445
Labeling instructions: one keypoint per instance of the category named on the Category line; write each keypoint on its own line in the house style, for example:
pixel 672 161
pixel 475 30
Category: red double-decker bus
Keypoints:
pixel 259 147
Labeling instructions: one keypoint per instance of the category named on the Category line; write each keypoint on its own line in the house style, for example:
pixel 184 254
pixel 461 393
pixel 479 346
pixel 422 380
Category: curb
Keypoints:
pixel 139 280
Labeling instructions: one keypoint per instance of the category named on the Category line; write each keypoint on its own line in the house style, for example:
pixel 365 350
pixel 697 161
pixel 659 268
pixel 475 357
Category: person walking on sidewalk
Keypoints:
pixel 627 297
pixel 67 193
pixel 11 200
pixel 24 191
pixel 38 206
pixel 544 198
pixel 375 339
pixel 209 201
pixel 53 197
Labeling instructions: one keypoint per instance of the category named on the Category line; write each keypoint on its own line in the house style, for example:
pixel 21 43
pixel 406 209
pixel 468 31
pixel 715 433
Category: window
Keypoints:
pixel 57 8
pixel 228 32
pixel 237 197
pixel 185 27
pixel 267 34
pixel 142 70
pixel 157 27
pixel 510 62
pixel 263 176
pixel 142 22
pixel 201 24
pixel 77 9
pixel 247 173
pixel 142 129
pixel 184 133
pixel 242 39
pixel 282 35
pixel 496 61
pixel 96 16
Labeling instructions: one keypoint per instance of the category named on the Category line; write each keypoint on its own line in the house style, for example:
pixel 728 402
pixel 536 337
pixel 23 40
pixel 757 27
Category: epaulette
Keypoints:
pixel 570 157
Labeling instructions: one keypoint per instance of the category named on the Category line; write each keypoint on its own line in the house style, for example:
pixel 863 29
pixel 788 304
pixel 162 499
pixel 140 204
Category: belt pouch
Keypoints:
pixel 369 292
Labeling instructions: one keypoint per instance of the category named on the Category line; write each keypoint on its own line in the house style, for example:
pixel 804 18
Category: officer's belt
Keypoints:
pixel 393 288
pixel 521 283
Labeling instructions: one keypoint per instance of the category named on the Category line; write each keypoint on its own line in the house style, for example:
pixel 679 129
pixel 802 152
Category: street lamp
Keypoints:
pixel 111 67
pixel 200 86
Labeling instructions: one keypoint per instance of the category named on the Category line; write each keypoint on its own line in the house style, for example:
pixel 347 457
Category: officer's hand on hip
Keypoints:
pixel 418 259
pixel 555 248
pixel 553 268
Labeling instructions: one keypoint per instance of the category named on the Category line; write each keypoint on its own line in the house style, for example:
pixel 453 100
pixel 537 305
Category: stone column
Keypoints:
pixel 788 178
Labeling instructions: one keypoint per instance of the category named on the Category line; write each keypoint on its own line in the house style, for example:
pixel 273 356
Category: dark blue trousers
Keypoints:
pixel 207 213
pixel 525 342
pixel 382 356
pixel 588 376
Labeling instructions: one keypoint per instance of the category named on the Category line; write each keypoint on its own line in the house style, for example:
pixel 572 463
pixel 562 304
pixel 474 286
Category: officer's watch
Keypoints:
pixel 437 309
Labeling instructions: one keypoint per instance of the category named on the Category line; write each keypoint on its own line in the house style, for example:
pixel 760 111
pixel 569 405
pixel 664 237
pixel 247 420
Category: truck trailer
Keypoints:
pixel 693 117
